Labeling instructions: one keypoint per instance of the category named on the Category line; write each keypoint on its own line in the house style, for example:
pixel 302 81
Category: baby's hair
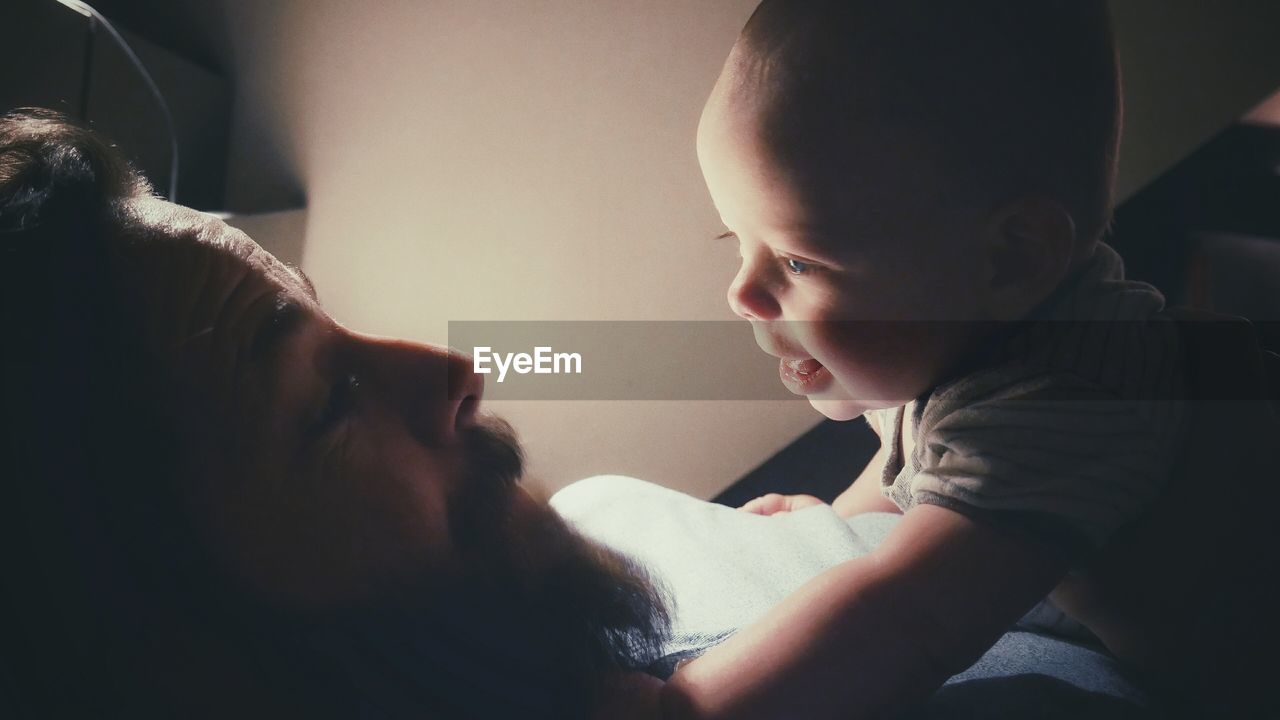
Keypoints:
pixel 1017 97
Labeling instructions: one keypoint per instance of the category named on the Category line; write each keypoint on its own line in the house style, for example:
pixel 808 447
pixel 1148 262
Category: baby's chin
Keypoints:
pixel 840 409
pixel 838 403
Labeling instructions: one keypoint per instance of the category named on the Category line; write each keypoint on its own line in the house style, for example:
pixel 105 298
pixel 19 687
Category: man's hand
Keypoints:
pixel 775 503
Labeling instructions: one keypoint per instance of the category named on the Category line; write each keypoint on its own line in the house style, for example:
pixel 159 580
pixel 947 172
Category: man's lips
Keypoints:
pixel 803 376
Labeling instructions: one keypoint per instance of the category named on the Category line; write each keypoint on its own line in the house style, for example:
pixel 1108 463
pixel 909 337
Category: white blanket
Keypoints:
pixel 724 568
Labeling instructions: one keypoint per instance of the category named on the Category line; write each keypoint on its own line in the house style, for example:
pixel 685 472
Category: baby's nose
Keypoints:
pixel 749 297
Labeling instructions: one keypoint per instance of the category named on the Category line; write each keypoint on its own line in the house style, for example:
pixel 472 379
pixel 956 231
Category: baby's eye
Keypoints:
pixel 796 267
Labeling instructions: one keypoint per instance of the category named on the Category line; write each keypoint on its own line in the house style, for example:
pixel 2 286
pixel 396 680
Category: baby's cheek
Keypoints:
pixel 879 363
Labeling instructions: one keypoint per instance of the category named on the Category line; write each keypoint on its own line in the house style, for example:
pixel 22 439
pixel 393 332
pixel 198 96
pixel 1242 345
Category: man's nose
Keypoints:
pixel 749 295
pixel 466 387
pixel 434 387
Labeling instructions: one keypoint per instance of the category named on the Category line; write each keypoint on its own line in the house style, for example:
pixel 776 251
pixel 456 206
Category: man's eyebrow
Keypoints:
pixel 309 286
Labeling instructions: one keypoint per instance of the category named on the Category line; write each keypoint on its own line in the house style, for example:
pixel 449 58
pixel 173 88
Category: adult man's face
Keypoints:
pixel 324 465
pixel 349 482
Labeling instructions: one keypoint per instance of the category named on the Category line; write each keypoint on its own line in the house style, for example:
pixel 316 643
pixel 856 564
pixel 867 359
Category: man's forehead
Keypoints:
pixel 236 243
pixel 188 272
pixel 185 231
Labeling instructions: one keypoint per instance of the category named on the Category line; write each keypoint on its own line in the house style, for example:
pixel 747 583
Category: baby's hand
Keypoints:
pixel 775 503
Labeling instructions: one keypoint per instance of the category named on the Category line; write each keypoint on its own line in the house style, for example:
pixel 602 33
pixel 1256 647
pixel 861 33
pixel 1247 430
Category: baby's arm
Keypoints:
pixel 874 634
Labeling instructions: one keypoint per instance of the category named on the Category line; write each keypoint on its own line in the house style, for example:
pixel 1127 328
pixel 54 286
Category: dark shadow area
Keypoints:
pixel 1025 696
pixel 1207 233
pixel 72 63
pixel 822 462
pixel 197 30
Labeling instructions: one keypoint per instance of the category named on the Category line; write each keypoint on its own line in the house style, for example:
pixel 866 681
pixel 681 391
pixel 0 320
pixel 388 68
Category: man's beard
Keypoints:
pixel 480 506
pixel 537 616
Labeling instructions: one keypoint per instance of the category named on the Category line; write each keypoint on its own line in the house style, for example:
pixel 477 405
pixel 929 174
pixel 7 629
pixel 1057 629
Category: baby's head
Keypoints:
pixel 899 174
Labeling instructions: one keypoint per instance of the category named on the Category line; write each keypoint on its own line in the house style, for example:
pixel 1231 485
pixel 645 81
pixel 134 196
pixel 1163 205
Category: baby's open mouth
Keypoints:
pixel 803 376
pixel 803 366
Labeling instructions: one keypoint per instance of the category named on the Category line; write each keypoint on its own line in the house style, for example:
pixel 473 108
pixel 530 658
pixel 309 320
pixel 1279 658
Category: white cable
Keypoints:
pixel 87 10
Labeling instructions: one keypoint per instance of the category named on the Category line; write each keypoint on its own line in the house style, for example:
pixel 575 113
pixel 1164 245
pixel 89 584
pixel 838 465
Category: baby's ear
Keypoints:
pixel 1030 245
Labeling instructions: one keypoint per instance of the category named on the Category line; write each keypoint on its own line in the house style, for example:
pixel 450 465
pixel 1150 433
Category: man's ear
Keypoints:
pixel 1030 246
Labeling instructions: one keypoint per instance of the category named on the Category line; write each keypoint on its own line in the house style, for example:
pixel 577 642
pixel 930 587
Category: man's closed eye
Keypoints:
pixel 341 397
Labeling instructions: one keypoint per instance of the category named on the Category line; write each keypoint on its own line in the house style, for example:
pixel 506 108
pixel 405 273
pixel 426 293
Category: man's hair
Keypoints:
pixel 1016 97
pixel 110 606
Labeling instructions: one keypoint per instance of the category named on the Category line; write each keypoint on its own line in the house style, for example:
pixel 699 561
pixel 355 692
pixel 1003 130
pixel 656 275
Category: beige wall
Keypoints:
pixel 534 159
pixel 511 159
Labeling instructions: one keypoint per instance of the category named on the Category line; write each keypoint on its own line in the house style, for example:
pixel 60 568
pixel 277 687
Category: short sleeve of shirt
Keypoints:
pixel 1064 428
pixel 1051 457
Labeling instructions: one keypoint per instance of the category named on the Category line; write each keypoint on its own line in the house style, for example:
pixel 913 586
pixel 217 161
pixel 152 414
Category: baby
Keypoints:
pixel 917 189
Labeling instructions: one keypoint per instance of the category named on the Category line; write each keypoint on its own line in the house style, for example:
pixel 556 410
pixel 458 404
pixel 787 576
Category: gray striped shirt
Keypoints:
pixel 1068 430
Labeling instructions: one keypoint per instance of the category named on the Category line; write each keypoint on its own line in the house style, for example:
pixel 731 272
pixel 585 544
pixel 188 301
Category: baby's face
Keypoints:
pixel 854 273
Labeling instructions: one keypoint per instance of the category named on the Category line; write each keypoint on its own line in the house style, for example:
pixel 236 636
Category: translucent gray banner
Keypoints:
pixel 665 360
pixel 619 360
